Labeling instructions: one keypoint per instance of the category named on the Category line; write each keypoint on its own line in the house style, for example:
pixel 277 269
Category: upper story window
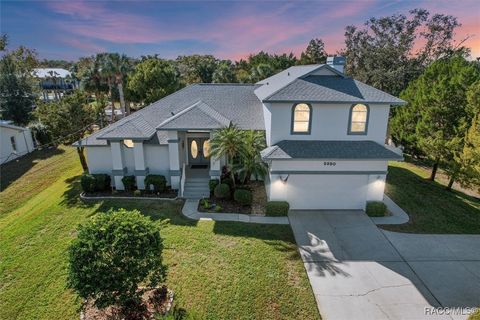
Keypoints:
pixel 14 144
pixel 301 118
pixel 358 119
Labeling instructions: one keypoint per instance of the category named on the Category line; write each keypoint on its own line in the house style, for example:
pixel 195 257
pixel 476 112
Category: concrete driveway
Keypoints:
pixel 358 271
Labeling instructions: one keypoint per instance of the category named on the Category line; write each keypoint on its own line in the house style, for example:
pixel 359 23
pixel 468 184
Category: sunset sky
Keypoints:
pixel 226 29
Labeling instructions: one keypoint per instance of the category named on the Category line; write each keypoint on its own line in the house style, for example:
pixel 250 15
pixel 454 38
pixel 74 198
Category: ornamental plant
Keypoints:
pixel 115 253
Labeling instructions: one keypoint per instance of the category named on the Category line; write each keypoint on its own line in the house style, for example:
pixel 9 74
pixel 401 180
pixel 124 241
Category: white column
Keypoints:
pixel 140 170
pixel 118 169
pixel 174 159
pixel 214 165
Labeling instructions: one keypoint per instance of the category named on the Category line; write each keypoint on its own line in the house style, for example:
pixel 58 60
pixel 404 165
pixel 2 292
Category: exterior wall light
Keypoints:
pixel 128 143
pixel 284 177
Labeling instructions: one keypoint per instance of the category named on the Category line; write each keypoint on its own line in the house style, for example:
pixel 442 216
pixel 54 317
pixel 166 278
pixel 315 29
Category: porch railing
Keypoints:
pixel 182 180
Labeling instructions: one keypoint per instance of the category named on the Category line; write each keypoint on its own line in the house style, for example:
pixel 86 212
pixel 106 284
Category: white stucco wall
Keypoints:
pixel 23 142
pixel 157 160
pixel 128 159
pixel 329 122
pixel 99 159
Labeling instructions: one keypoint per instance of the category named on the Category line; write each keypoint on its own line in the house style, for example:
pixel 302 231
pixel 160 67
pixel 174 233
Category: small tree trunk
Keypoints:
pixel 122 98
pixel 450 183
pixel 434 171
pixel 83 161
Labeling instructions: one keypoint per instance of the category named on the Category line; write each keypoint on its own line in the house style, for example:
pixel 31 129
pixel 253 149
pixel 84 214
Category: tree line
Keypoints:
pixel 414 56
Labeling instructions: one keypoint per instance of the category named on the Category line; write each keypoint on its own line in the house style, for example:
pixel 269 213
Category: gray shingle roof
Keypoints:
pixel 198 116
pixel 329 149
pixel 236 102
pixel 334 89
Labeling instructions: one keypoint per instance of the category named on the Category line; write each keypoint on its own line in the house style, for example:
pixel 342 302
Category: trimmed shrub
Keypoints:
pixel 158 182
pixel 376 209
pixel 137 193
pixel 116 257
pixel 212 184
pixel 129 182
pixel 222 191
pixel 102 182
pixel 277 208
pixel 228 181
pixel 88 182
pixel 243 197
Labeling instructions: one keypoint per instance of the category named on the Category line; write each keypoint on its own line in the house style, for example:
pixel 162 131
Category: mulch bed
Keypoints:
pixel 230 206
pixel 169 193
pixel 155 302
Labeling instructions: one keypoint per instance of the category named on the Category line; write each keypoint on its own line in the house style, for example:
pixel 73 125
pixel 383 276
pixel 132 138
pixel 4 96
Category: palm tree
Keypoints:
pixel 117 66
pixel 251 162
pixel 228 142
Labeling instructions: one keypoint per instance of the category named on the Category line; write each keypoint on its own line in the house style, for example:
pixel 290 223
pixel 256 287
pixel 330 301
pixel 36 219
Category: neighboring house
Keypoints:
pixel 54 82
pixel 15 141
pixel 325 134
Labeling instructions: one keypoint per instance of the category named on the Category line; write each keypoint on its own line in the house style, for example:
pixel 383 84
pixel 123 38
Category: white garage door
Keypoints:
pixel 325 191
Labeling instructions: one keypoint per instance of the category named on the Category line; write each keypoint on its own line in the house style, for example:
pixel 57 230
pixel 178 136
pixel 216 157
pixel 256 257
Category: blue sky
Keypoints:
pixel 226 29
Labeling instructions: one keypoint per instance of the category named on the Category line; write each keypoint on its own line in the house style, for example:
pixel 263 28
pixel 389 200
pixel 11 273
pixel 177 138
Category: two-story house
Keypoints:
pixel 325 134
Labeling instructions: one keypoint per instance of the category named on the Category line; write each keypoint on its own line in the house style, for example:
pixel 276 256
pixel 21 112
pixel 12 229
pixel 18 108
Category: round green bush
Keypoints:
pixel 243 197
pixel 116 257
pixel 129 182
pixel 277 208
pixel 158 182
pixel 102 181
pixel 88 183
pixel 376 209
pixel 222 191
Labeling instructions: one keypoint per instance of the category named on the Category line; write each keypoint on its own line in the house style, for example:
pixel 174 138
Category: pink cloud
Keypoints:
pixel 83 45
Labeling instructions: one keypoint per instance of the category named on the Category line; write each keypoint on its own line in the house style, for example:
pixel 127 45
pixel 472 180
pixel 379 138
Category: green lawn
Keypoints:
pixel 431 208
pixel 218 270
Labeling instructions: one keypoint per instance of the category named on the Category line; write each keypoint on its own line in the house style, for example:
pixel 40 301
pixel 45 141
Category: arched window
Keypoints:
pixel 301 118
pixel 358 119
pixel 194 149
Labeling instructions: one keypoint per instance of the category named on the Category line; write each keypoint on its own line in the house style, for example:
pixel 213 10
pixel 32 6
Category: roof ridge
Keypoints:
pixel 175 116
pixel 208 108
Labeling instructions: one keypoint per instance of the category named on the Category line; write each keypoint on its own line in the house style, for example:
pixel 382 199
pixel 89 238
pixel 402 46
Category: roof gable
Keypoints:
pixel 198 116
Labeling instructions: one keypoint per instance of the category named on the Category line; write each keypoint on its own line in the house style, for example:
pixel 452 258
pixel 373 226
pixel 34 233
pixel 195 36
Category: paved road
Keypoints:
pixel 358 271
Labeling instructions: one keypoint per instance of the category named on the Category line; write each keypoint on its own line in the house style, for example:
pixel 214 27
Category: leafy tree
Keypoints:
pixel 197 68
pixel 438 103
pixel 465 166
pixel 314 53
pixel 3 42
pixel 16 93
pixel 116 257
pixel 68 120
pixel 153 79
pixel 261 72
pixel 224 73
pixel 250 162
pixel 385 52
pixel 228 142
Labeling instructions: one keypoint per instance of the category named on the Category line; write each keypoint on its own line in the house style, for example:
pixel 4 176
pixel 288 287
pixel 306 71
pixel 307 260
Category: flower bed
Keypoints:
pixel 230 206
pixel 155 303
pixel 168 194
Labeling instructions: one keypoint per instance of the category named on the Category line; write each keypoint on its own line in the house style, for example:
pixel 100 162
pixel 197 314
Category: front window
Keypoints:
pixel 301 117
pixel 206 148
pixel 14 144
pixel 194 149
pixel 358 119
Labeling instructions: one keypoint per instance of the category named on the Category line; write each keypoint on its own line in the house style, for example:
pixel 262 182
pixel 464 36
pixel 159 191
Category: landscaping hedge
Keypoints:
pixel 277 208
pixel 88 183
pixel 102 181
pixel 376 209
pixel 129 182
pixel 222 191
pixel 243 197
pixel 159 182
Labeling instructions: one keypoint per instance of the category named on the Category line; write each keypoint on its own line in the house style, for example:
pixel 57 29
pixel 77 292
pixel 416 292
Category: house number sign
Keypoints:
pixel 329 163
